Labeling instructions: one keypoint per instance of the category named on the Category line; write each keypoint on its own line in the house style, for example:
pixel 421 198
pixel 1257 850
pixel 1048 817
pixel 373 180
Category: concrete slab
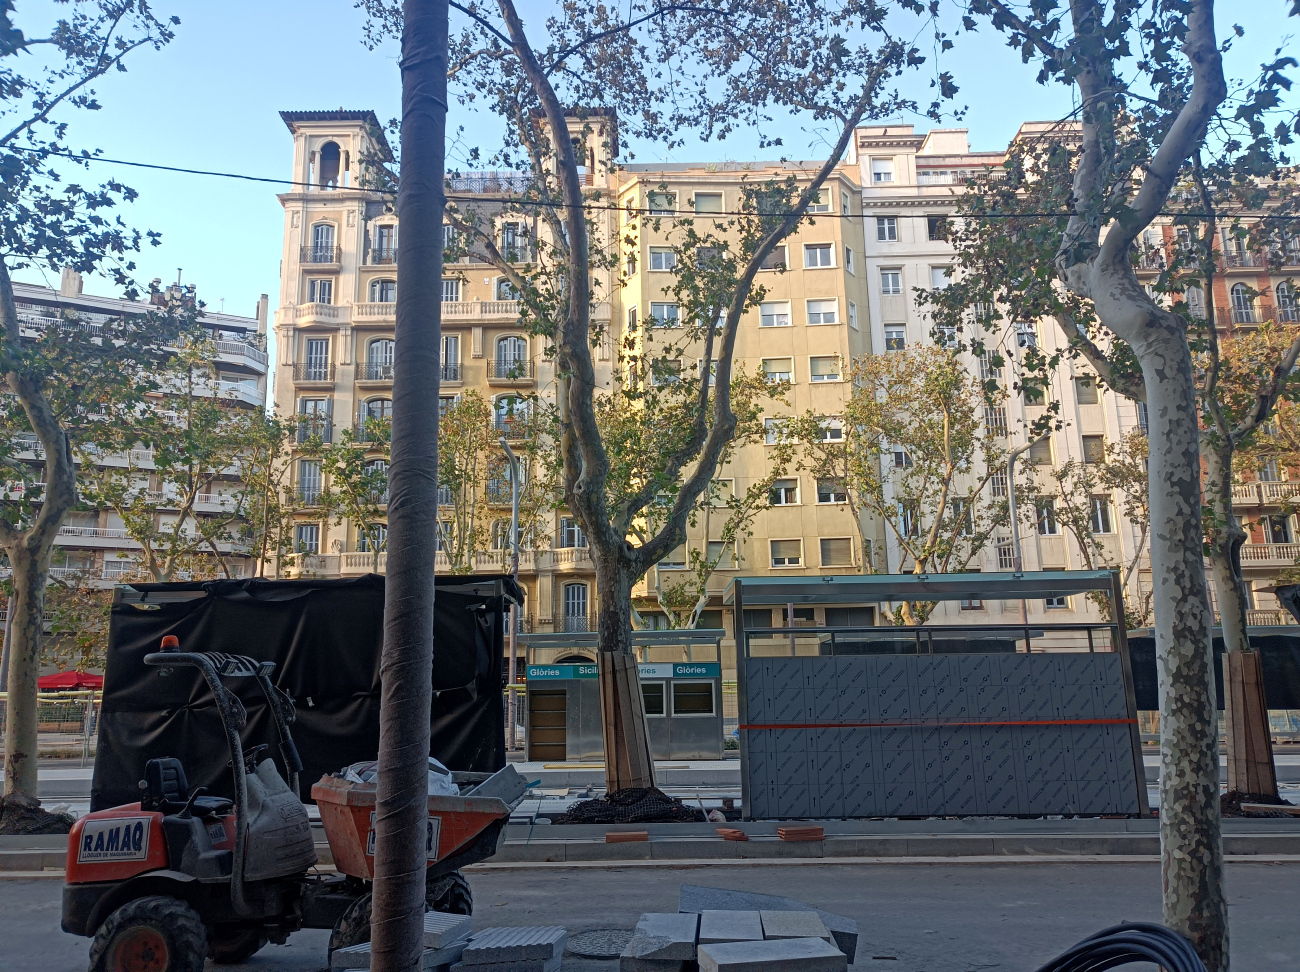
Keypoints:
pixel 358 956
pixel 785 955
pixel 793 924
pixel 442 929
pixel 663 937
pixel 730 926
pixel 693 897
pixel 502 945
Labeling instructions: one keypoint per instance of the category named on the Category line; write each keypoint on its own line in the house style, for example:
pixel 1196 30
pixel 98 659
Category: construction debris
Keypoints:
pixel 801 833
pixel 536 949
pixel 626 836
pixel 732 833
pixel 632 805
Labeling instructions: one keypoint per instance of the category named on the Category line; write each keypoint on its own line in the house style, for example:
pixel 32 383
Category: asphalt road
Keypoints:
pixel 925 918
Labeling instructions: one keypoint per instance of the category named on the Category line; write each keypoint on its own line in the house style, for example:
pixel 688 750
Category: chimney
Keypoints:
pixel 263 307
pixel 70 283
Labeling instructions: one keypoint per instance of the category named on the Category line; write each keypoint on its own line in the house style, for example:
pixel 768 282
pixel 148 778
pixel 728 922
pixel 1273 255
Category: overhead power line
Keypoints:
pixel 540 203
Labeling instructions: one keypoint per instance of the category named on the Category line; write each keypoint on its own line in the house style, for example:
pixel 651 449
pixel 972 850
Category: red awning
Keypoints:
pixel 70 680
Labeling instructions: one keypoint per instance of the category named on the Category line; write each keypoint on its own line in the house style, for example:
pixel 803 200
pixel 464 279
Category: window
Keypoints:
pixel 908 523
pixel 818 255
pixel 775 260
pixel 998 484
pixel 378 408
pixel 772 430
pixel 510 414
pixel 1006 555
pixel 512 355
pixel 571 534
pixel 1094 449
pixel 445 404
pixel 850 617
pixel 320 291
pixel 823 311
pixel 309 480
pixel 831 430
pixel 1027 334
pixel 306 538
pixel 820 203
pixel 1085 390
pixel 385 291
pixel 1269 472
pixel 514 241
pixel 891 281
pixel 1047 525
pixel 664 315
pixel 631 264
pixel 882 170
pixel 825 368
pixel 448 239
pixel 940 277
pixel 837 551
pixel 721 553
pixel 1103 516
pixel 328 173
pixel 1061 603
pixel 1288 309
pixel 663 258
pixel 895 337
pixel 778 369
pixel 575 607
pixel 853 315
pixel 708 202
pixel 785 492
pixel 631 319
pixel 652 695
pixel 1195 298
pixel 848 259
pixel 379 360
pixel 886 229
pixel 844 202
pixel 786 553
pixel 378 530
pixel 692 698
pixel 665 371
pixel 661 203
pixel 1040 453
pixel 991 366
pixel 1144 417
pixel 902 460
pixel 318 360
pixel 1243 305
pixel 774 313
pixel 506 290
pixel 322 243
pixel 945 335
pixel 1277 529
pixel 385 245
pixel 831 491
pixel 674 559
pixel 450 291
pixel 935 227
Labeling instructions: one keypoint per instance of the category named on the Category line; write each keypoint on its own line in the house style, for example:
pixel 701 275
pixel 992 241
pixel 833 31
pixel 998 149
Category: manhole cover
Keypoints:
pixel 603 943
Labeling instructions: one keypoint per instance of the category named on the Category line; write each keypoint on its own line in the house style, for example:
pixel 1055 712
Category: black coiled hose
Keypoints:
pixel 1124 944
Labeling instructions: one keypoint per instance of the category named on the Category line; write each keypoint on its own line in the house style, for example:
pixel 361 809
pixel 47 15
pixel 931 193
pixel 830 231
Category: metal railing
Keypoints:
pixel 307 495
pixel 382 256
pixel 374 371
pixel 1242 258
pixel 930 639
pixel 320 427
pixel 511 369
pixel 320 254
pixel 451 371
pixel 1288 313
pixel 503 182
pixel 305 371
pixel 515 427
pixel 1246 315
pixel 578 623
pixel 365 430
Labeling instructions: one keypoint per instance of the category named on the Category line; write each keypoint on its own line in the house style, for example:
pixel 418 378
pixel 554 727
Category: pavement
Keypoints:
pixel 911 917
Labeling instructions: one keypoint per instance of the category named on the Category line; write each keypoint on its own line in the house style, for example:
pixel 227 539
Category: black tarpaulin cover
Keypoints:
pixel 325 638
pixel 1279 653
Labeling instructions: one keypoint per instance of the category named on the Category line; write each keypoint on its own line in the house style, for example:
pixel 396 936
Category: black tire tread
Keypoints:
pixel 235 946
pixel 181 924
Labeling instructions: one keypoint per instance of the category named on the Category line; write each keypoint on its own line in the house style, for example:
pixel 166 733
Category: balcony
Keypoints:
pixel 1252 313
pixel 511 371
pixel 1270 554
pixel 512 426
pixel 1152 260
pixel 313 373
pixel 237 350
pixel 1288 313
pixel 98 537
pixel 382 256
pixel 372 429
pixel 1241 259
pixel 578 623
pixel 307 495
pixel 320 254
pixel 370 371
pixel 451 371
pixel 490 182
pixel 311 313
pixel 315 427
pixel 373 312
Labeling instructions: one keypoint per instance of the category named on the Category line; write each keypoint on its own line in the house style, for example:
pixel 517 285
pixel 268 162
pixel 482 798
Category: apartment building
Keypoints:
pixel 93 544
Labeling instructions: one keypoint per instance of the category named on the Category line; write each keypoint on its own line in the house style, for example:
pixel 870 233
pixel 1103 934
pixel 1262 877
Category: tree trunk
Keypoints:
pixel 30 573
pixel 406 668
pixel 1247 743
pixel 628 762
pixel 1191 851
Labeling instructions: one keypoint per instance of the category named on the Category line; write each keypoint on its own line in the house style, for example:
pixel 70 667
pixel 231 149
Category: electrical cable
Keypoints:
pixel 1125 944
pixel 541 203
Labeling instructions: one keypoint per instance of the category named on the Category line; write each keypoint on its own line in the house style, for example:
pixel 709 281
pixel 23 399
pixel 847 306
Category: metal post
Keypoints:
pixel 1017 562
pixel 514 573
pixel 789 620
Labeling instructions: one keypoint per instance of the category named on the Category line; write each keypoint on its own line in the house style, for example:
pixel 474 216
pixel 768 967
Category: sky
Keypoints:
pixel 211 100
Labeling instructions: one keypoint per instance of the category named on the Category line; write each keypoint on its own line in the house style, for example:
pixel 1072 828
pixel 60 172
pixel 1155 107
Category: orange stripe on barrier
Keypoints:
pixel 936 724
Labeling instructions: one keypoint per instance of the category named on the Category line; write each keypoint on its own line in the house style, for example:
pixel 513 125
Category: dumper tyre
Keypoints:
pixel 229 948
pixel 153 934
pixel 448 893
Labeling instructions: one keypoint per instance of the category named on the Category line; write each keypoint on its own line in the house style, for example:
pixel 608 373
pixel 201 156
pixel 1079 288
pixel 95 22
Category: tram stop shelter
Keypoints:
pixel 681 683
pixel 1012 719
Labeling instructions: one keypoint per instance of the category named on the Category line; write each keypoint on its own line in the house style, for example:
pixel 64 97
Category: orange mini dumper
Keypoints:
pixel 161 884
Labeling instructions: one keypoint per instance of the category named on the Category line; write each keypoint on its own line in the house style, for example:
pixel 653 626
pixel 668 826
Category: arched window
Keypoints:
pixel 575 607
pixel 369 418
pixel 379 360
pixel 506 290
pixel 510 413
pixel 512 357
pixel 328 171
pixel 1288 310
pixel 322 245
pixel 379 408
pixel 383 291
pixel 1243 305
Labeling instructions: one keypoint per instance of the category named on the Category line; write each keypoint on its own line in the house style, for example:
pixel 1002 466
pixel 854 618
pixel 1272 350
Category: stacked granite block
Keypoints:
pixel 661 943
pixel 917 735
pixel 445 939
pixel 534 949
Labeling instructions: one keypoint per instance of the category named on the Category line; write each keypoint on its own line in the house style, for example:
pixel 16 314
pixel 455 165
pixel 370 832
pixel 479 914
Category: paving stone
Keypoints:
pixel 695 898
pixel 793 924
pixel 663 937
pixel 626 964
pixel 358 956
pixel 782 955
pixel 441 929
pixel 730 926
pixel 521 965
pixel 494 946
